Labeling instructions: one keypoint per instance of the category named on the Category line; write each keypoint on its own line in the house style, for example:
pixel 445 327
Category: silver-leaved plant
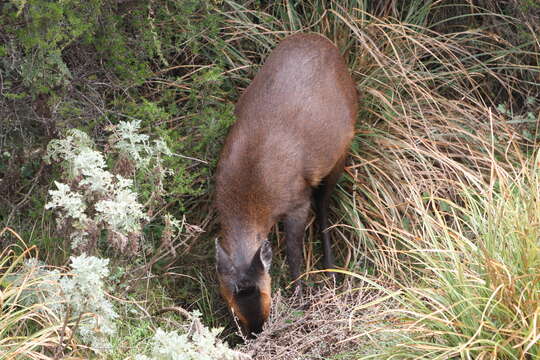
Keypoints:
pixel 93 198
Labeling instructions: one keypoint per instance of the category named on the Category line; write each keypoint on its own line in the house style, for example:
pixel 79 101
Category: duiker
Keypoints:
pixel 294 124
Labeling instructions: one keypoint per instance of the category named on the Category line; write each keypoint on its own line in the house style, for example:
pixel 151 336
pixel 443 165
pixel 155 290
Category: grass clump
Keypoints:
pixel 475 288
pixel 26 329
pixel 47 313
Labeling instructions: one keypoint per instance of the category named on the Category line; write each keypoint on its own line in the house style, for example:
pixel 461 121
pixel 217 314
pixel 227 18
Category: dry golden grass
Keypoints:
pixel 27 331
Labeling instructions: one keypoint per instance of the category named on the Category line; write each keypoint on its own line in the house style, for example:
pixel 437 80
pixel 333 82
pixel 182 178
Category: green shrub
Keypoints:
pixel 41 31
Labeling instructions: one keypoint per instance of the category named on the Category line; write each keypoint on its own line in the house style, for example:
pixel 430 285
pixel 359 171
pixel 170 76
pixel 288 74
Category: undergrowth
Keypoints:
pixel 51 313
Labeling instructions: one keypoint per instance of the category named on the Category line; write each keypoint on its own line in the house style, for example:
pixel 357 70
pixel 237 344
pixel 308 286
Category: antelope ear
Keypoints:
pixel 263 258
pixel 224 265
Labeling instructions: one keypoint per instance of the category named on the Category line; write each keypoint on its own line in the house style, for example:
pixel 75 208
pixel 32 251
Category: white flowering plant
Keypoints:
pixel 92 198
pixel 71 302
pixel 195 343
pixel 83 292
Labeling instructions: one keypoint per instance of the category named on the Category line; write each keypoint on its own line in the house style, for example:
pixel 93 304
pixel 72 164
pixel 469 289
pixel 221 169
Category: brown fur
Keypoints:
pixel 294 125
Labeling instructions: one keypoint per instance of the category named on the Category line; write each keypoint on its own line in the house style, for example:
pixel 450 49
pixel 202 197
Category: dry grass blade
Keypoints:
pixel 320 323
pixel 29 329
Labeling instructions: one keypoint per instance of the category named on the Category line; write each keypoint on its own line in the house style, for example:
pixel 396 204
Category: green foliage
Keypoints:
pixel 42 31
pixel 54 53
pixel 118 51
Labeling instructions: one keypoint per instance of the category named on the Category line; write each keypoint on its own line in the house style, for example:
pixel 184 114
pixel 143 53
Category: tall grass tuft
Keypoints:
pixel 476 293
pixel 28 330
pixel 426 125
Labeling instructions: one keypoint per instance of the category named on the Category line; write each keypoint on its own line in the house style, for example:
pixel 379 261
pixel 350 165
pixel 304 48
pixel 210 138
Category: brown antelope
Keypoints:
pixel 294 124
